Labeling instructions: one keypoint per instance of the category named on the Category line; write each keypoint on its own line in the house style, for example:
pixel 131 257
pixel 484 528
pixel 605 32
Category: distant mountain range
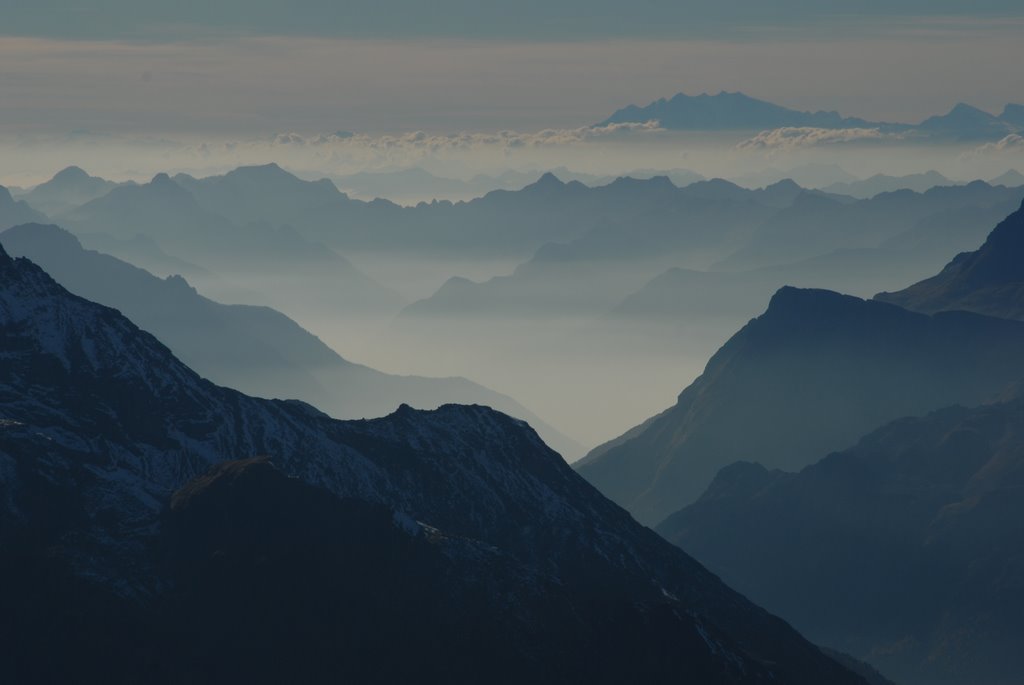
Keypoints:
pixel 14 212
pixel 411 186
pixel 455 536
pixel 814 373
pixel 989 280
pixel 883 183
pixel 68 189
pixel 736 111
pixel 259 262
pixel 254 349
pixel 904 550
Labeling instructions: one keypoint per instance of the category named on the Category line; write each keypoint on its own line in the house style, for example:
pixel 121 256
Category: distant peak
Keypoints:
pixel 548 179
pixel 784 184
pixel 789 300
pixel 70 173
pixel 161 179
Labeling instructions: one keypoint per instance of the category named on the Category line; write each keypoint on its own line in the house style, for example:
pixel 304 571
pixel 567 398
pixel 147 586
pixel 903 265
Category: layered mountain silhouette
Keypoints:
pixel 272 259
pixel 736 111
pixel 965 122
pixel 1011 179
pixel 817 224
pixel 989 280
pixel 462 515
pixel 14 212
pixel 727 111
pixel 884 183
pixel 254 349
pixel 772 233
pixel 69 188
pixel 903 550
pixel 812 374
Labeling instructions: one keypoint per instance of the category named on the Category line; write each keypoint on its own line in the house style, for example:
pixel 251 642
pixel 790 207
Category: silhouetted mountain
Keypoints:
pixel 812 374
pixel 700 222
pixel 736 111
pixel 727 111
pixel 964 122
pixel 275 261
pixel 812 175
pixel 903 550
pixel 254 349
pixel 69 188
pixel 882 183
pixel 265 193
pixel 14 212
pixel 988 281
pixel 1011 179
pixel 101 424
pixel 945 218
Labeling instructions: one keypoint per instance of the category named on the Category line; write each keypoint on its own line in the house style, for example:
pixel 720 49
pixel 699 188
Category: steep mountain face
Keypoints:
pixel 14 212
pixel 815 372
pixel 906 550
pixel 255 349
pixel 989 280
pixel 69 188
pixel 101 424
pixel 726 111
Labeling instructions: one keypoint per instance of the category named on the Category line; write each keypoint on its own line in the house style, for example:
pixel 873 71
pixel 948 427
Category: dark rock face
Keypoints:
pixel 989 280
pixel 906 550
pixel 520 570
pixel 811 375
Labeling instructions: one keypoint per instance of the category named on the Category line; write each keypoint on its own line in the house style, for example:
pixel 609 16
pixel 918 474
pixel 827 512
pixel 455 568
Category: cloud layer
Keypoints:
pixel 791 138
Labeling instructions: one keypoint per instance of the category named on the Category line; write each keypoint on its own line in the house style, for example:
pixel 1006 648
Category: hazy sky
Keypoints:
pixel 260 67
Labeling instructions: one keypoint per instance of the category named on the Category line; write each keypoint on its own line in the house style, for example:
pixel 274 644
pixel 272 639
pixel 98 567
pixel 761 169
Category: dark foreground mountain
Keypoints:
pixel 906 550
pixel 108 578
pixel 811 375
pixel 989 280
pixel 257 350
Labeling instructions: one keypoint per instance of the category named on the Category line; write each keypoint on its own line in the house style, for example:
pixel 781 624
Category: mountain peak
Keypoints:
pixel 548 179
pixel 788 300
pixel 71 173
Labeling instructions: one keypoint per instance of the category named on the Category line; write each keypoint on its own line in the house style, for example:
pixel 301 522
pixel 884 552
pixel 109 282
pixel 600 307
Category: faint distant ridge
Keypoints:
pixel 729 111
pixel 738 112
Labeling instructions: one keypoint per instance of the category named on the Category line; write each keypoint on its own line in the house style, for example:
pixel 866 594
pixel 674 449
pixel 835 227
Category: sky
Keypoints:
pixel 261 68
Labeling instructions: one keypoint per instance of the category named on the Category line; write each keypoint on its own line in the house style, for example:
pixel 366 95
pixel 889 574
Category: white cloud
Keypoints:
pixel 799 137
pixel 1011 143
